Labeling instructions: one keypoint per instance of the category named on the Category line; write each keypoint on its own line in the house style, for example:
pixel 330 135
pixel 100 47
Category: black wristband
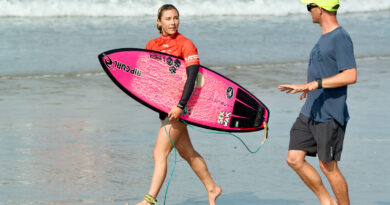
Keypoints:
pixel 319 81
pixel 180 106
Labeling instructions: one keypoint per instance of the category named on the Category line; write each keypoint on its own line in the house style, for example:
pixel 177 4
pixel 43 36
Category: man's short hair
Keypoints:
pixel 332 13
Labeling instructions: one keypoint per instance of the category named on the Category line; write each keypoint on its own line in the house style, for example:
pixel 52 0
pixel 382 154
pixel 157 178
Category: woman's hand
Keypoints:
pixel 175 113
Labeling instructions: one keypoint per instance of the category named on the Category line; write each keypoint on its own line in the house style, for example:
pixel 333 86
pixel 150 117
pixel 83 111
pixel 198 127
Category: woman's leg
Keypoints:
pixel 179 134
pixel 197 163
pixel 161 151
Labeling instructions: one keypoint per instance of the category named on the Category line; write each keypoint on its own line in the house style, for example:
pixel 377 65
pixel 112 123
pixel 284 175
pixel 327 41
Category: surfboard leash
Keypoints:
pixel 174 165
pixel 265 125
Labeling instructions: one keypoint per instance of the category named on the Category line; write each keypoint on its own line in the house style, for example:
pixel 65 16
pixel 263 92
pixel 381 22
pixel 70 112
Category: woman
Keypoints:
pixel 172 42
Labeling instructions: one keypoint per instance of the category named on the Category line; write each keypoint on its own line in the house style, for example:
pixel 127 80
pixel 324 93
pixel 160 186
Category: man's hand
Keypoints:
pixel 296 88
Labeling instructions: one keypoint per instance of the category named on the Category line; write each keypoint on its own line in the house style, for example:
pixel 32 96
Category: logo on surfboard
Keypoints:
pixel 172 70
pixel 173 64
pixel 121 66
pixel 224 118
pixel 108 62
pixel 229 92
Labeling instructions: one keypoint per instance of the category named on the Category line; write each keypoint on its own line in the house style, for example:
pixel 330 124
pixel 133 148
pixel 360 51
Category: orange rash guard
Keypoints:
pixel 176 45
pixel 179 46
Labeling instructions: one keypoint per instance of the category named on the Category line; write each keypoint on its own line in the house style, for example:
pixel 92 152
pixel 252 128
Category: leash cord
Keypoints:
pixel 237 137
pixel 174 165
pixel 210 132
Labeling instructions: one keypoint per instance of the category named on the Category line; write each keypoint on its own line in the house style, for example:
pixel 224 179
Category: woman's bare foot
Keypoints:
pixel 334 202
pixel 141 203
pixel 214 194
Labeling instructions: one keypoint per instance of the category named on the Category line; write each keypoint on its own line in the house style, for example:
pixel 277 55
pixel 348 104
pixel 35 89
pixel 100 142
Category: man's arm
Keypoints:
pixel 345 77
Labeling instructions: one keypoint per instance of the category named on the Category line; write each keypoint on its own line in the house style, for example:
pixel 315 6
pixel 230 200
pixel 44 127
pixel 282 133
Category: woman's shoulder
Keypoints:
pixel 151 43
pixel 184 40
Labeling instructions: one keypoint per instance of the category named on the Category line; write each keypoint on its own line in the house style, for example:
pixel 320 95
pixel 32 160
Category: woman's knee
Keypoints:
pixel 188 154
pixel 159 155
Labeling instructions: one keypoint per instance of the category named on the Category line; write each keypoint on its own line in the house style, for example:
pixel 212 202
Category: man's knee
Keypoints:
pixel 328 167
pixel 295 162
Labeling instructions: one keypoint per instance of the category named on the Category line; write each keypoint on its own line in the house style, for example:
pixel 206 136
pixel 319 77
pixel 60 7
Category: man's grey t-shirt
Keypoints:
pixel 332 54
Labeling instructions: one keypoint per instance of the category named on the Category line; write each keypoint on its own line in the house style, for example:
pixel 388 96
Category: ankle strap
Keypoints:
pixel 150 199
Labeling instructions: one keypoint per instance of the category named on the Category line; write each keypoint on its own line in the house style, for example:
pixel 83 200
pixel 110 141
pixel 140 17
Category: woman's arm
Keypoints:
pixel 192 73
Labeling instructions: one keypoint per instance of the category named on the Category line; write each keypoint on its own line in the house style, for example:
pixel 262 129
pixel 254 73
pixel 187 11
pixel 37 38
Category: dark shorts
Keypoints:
pixel 162 116
pixel 322 138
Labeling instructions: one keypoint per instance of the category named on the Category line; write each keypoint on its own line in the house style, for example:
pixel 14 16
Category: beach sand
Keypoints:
pixel 70 136
pixel 78 139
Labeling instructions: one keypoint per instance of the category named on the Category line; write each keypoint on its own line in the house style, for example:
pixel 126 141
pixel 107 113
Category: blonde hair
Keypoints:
pixel 164 8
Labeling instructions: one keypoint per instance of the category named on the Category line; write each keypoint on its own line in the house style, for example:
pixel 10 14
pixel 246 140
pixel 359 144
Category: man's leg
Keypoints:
pixel 336 180
pixel 296 160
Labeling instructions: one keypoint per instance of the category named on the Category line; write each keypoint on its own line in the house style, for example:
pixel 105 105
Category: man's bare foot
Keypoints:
pixel 214 194
pixel 330 202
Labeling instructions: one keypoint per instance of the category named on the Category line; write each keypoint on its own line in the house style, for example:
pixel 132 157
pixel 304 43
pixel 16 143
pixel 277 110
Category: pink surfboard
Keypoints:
pixel 157 80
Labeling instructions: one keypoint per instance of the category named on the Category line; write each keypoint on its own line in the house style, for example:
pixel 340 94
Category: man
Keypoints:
pixel 320 127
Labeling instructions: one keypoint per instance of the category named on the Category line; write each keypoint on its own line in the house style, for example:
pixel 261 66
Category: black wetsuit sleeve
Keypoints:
pixel 192 73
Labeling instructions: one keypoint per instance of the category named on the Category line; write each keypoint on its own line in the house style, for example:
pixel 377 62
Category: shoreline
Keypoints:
pixel 213 67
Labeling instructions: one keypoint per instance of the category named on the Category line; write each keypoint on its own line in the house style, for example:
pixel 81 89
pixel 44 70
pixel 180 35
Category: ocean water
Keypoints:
pixel 102 8
pixel 70 136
